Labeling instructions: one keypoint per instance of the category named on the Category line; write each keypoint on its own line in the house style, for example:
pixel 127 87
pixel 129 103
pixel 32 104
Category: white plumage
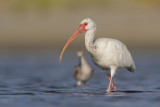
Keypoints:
pixel 106 53
pixel 111 53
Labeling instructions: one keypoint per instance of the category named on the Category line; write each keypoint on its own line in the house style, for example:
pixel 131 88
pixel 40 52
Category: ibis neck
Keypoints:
pixel 89 39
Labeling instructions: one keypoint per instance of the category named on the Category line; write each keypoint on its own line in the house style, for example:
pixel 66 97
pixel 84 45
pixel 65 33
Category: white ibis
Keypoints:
pixel 108 54
pixel 83 72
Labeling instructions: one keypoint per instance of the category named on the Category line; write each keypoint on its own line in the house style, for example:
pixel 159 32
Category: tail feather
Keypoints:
pixel 131 69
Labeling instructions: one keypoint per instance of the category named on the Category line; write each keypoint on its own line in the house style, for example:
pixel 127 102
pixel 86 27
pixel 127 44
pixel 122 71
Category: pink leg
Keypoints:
pixel 109 87
pixel 112 83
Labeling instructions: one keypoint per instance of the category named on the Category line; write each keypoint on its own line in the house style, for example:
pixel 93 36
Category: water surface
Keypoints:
pixel 37 79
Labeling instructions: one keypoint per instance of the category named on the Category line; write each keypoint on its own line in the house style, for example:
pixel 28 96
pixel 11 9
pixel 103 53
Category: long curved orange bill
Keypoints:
pixel 77 32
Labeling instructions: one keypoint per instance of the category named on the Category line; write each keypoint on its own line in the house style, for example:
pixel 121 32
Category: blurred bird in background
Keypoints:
pixel 83 71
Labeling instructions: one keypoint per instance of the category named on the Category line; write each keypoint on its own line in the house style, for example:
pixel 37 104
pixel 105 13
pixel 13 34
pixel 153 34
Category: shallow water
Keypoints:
pixel 37 79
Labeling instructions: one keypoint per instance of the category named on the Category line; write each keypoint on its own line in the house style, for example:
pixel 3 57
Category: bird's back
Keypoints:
pixel 111 52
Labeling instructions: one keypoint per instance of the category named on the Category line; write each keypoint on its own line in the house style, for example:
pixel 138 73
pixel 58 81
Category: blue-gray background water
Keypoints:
pixel 37 79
